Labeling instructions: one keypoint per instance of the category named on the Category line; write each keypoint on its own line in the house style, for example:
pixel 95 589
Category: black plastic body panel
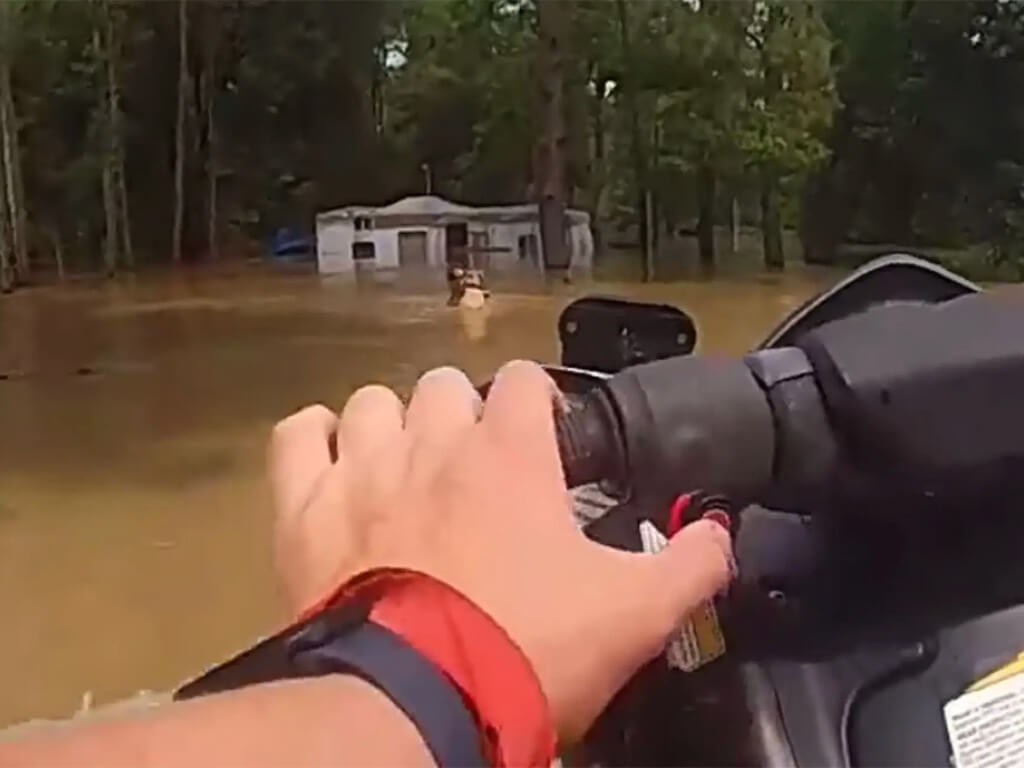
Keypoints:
pixel 605 334
pixel 897 277
pixel 848 631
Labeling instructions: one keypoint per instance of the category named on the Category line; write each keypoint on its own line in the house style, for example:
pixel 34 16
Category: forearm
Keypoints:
pixel 336 720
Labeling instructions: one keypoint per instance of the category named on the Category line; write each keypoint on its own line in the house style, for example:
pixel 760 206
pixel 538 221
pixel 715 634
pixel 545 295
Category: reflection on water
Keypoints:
pixel 133 519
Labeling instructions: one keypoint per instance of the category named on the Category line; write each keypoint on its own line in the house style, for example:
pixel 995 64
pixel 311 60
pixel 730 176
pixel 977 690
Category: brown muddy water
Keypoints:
pixel 133 516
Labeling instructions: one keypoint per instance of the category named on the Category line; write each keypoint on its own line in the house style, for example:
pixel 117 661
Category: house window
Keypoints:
pixel 363 251
pixel 478 240
pixel 363 223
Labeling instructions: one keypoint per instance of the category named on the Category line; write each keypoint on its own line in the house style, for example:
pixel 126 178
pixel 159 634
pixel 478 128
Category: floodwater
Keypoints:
pixel 133 515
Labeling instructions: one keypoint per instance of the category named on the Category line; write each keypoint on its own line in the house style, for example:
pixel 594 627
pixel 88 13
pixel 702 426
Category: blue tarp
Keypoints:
pixel 287 243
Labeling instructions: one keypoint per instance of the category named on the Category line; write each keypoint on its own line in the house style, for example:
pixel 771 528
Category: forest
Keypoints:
pixel 149 133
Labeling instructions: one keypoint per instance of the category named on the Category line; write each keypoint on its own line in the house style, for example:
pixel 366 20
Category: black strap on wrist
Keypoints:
pixel 345 642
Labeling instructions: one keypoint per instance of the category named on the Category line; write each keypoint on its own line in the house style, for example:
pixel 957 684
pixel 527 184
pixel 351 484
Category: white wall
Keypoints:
pixel 507 236
pixel 385 244
pixel 334 241
pixel 435 247
pixel 334 246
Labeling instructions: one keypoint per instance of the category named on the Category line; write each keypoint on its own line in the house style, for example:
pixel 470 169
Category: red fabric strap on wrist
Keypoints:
pixel 493 675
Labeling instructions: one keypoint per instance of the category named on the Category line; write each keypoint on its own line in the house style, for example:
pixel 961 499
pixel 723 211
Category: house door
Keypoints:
pixel 456 242
pixel 412 249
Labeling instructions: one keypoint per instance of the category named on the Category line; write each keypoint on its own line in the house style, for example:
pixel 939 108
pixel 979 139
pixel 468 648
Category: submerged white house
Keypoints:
pixel 426 231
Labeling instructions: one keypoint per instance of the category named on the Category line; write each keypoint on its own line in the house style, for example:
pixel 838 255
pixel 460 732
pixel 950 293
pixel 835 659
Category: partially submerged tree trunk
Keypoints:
pixel 771 221
pixel 107 179
pixel 211 183
pixel 551 163
pixel 116 135
pixel 208 86
pixel 110 239
pixel 8 266
pixel 649 230
pixel 628 89
pixel 734 224
pixel 706 183
pixel 6 269
pixel 6 262
pixel 179 134
pixel 12 174
pixel 598 171
pixel 58 251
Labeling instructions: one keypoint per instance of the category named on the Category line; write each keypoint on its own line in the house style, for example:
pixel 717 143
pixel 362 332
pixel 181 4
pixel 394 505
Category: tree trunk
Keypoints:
pixel 377 98
pixel 58 252
pixel 649 229
pixel 12 175
pixel 653 207
pixel 706 215
pixel 209 88
pixel 551 165
pixel 107 179
pixel 6 270
pixel 8 267
pixel 179 134
pixel 211 182
pixel 598 172
pixel 771 222
pixel 734 224
pixel 628 88
pixel 116 138
pixel 6 258
pixel 110 239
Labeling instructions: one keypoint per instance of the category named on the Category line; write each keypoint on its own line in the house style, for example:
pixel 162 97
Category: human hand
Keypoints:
pixel 473 494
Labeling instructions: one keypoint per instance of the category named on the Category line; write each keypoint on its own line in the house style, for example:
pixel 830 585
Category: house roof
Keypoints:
pixel 430 205
pixel 431 209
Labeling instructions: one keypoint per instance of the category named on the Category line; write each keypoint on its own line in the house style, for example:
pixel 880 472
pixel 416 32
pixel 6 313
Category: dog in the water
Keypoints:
pixel 466 287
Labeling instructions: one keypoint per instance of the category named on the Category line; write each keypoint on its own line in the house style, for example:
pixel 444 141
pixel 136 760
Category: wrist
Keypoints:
pixel 441 660
pixel 491 673
pixel 365 709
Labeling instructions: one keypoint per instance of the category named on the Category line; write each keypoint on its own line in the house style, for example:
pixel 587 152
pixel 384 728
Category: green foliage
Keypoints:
pixel 871 120
pixel 791 93
pixel 462 99
pixel 927 145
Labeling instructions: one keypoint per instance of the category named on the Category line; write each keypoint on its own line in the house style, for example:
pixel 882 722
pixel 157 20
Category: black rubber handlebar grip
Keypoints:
pixel 587 440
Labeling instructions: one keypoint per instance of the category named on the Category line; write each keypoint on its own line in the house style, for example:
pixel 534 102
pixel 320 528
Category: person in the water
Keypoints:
pixel 463 279
pixel 448 609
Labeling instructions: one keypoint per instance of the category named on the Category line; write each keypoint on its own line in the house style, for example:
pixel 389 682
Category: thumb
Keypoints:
pixel 693 567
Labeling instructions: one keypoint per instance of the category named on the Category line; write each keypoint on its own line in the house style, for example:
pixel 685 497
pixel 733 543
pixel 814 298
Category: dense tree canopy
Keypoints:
pixel 134 132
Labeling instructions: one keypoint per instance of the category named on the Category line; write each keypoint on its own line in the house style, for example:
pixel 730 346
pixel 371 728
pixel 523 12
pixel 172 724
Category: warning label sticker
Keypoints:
pixel 986 726
pixel 589 503
pixel 699 638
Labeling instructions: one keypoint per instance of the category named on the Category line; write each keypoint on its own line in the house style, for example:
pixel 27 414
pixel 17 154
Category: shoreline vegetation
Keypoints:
pixel 135 133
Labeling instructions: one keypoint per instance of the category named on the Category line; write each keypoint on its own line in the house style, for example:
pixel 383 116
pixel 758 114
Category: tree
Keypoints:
pixel 117 239
pixel 110 240
pixel 551 161
pixel 596 49
pixel 465 101
pixel 10 28
pixel 693 68
pixel 208 86
pixel 113 24
pixel 179 133
pixel 924 149
pixel 792 104
pixel 629 87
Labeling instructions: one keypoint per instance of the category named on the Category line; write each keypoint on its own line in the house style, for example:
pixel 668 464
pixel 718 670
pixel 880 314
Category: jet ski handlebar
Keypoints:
pixel 919 396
